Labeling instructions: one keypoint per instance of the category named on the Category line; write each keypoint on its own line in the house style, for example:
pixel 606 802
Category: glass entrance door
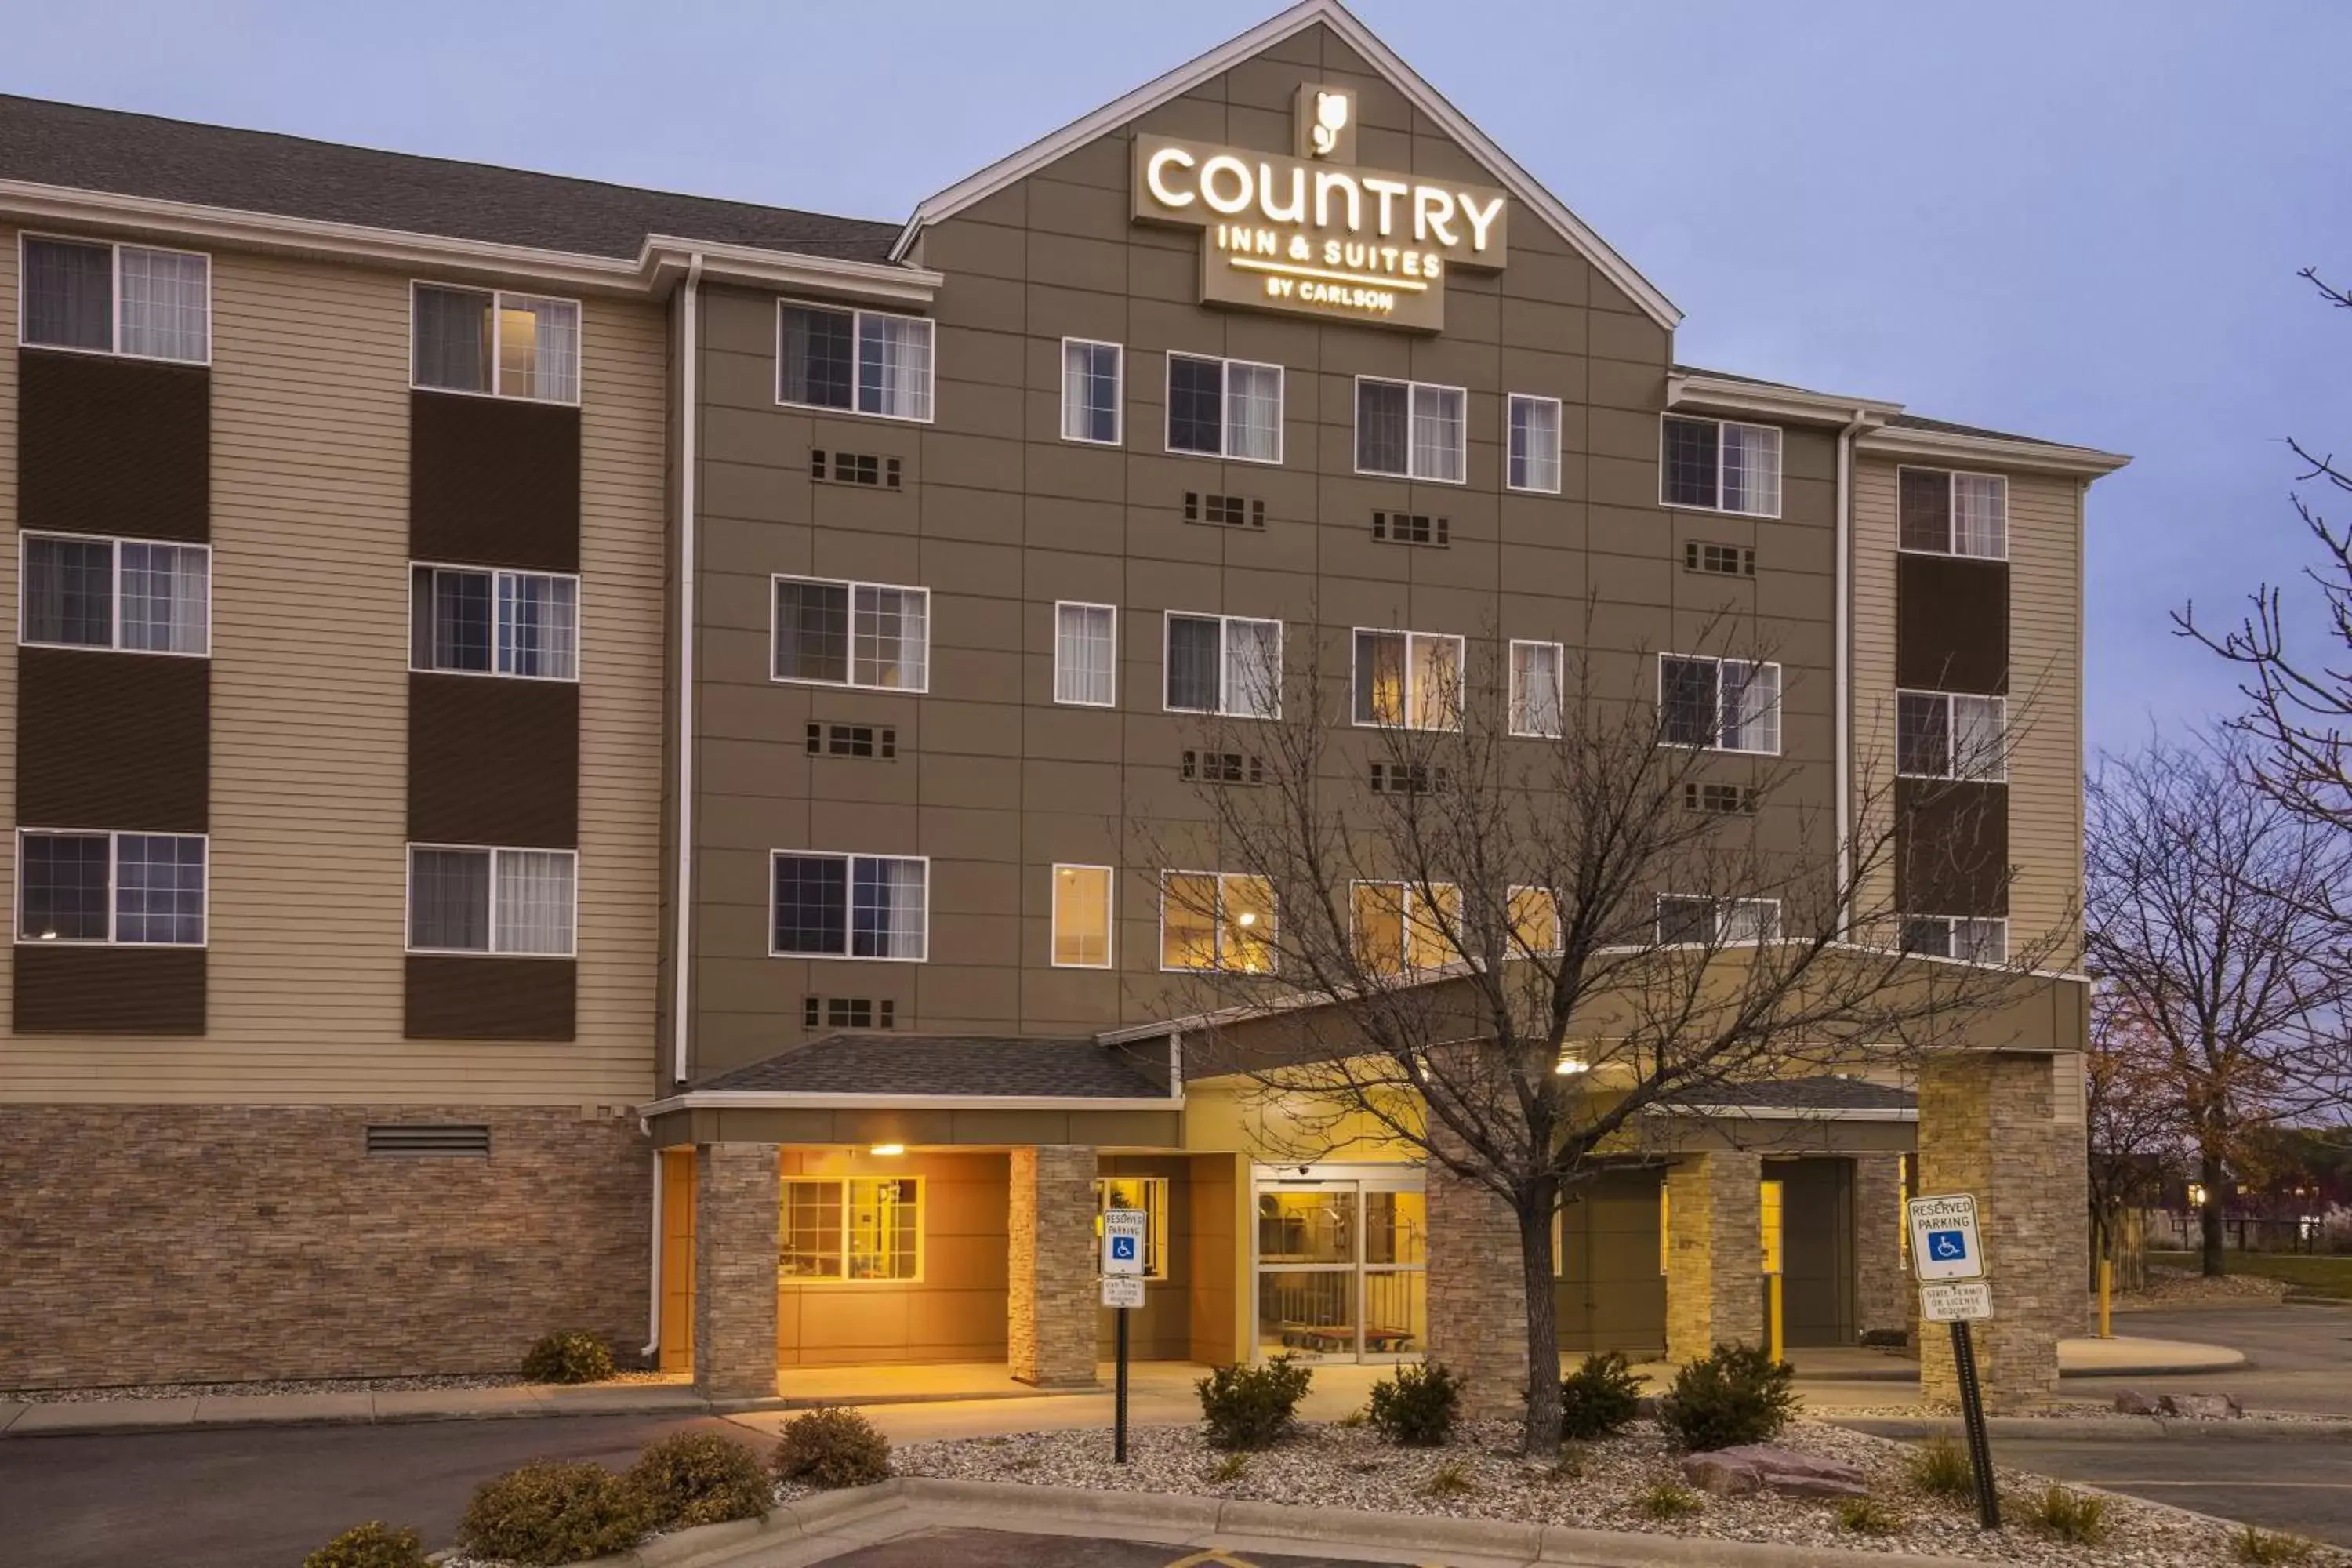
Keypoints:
pixel 1341 1268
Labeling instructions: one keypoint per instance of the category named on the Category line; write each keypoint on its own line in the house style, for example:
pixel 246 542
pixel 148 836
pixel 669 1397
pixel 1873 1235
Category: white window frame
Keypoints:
pixel 1510 425
pixel 1356 436
pixel 922 1232
pixel 1118 393
pixel 1409 896
pixel 1225 453
pixel 1559 925
pixel 114 298
pixel 1224 708
pixel 1053 915
pixel 1412 638
pixel 499 297
pixel 1273 952
pixel 857 314
pixel 1780 466
pixel 496 574
pixel 1951 512
pixel 1155 1221
pixel 1717 907
pixel 115 543
pixel 1060 701
pixel 408 900
pixel 113 837
pixel 1512 697
pixel 1952 924
pixel 849 907
pixel 1779 699
pixel 849 655
pixel 1997 769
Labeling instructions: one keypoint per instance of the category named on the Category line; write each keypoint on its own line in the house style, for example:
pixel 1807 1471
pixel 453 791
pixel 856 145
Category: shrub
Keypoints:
pixel 376 1544
pixel 2079 1519
pixel 831 1448
pixel 1418 1406
pixel 1451 1479
pixel 1867 1516
pixel 568 1358
pixel 1733 1394
pixel 1231 1467
pixel 1666 1499
pixel 700 1477
pixel 2259 1547
pixel 1940 1468
pixel 1598 1398
pixel 552 1513
pixel 1251 1406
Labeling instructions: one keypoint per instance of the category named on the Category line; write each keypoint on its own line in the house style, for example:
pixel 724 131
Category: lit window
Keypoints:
pixel 1535 921
pixel 861 1228
pixel 1212 920
pixel 1769 1211
pixel 1411 431
pixel 1148 1193
pixel 853 634
pixel 496 344
pixel 1535 699
pixel 1719 704
pixel 1534 444
pixel 860 362
pixel 1943 513
pixel 1975 941
pixel 1942 735
pixel 851 905
pixel 1399 928
pixel 494 623
pixel 1717 922
pixel 1224 408
pixel 1082 917
pixel 128 299
pixel 1716 466
pixel 1410 679
pixel 1091 390
pixel 122 593
pixel 1086 655
pixel 463 898
pixel 141 889
pixel 1226 664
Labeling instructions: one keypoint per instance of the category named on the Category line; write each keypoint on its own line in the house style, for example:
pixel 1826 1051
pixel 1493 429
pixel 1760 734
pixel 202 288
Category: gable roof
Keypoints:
pixel 1383 60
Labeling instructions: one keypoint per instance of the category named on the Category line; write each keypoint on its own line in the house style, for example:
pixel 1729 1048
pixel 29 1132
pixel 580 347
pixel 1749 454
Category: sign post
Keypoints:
pixel 1123 1233
pixel 1947 1257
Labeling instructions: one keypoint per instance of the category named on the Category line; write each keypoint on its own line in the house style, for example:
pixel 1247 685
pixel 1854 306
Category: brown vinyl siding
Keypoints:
pixel 1951 619
pixel 113 739
pixel 71 988
pixel 481 997
pixel 493 760
pixel 494 481
pixel 113 446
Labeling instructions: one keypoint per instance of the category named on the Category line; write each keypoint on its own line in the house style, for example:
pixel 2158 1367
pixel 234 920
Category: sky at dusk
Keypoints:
pixel 2081 220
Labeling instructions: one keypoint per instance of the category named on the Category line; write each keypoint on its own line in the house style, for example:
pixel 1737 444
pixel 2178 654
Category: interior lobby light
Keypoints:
pixel 888 1150
pixel 1572 1064
pixel 1246 918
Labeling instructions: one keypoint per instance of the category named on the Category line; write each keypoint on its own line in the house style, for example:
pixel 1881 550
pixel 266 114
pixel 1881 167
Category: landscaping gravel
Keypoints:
pixel 298 1385
pixel 2168 1288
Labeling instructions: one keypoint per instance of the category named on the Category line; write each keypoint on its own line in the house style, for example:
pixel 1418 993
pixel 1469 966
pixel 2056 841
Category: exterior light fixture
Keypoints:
pixel 1571 1064
pixel 888 1150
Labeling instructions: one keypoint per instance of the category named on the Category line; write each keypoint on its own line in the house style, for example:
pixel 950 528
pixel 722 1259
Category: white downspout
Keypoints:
pixel 681 961
pixel 1845 717
pixel 652 1309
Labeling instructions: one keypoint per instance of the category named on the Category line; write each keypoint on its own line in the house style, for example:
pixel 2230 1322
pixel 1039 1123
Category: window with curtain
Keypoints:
pixel 1082 917
pixel 861 362
pixel 495 343
pixel 851 905
pixel 1216 920
pixel 1717 922
pixel 1399 927
pixel 129 889
pixel 1536 698
pixel 122 593
pixel 1228 665
pixel 850 1228
pixel 1411 429
pixel 1534 444
pixel 1719 704
pixel 1535 921
pixel 1224 408
pixel 475 899
pixel 1948 735
pixel 1411 679
pixel 129 300
pixel 1086 669
pixel 1716 465
pixel 470 621
pixel 1975 941
pixel 872 634
pixel 1940 513
pixel 1091 390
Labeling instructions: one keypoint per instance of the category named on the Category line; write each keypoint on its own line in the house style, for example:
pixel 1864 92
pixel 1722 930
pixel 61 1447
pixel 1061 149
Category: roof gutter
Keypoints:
pixel 1863 418
pixel 682 936
pixel 779 1100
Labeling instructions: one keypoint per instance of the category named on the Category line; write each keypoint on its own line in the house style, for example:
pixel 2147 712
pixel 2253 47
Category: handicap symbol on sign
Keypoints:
pixel 1122 1247
pixel 1947 1246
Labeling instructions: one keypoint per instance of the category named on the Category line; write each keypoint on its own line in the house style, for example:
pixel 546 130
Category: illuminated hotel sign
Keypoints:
pixel 1310 234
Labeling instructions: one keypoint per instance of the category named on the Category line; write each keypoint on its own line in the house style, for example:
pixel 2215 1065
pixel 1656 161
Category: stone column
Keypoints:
pixel 1477 1293
pixel 1052 1302
pixel 1990 1124
pixel 1882 1283
pixel 737 1198
pixel 1714 1253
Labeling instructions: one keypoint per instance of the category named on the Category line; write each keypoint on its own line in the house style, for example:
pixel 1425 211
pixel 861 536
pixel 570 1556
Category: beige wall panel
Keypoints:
pixel 2045 789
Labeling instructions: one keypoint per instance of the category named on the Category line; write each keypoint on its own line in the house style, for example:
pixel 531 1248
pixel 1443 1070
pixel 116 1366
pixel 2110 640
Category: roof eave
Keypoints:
pixel 1786 404
pixel 2006 452
pixel 781 1099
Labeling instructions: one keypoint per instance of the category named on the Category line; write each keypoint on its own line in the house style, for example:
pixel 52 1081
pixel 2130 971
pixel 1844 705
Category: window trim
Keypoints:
pixel 113 836
pixel 115 543
pixel 1952 773
pixel 1053 915
pixel 1461 680
pixel 578 611
pixel 1225 420
pixel 1951 512
pixel 1558 467
pixel 1356 438
pixel 498 360
pixel 1118 398
pixel 1717 908
pixel 1511 694
pixel 114 299
pixel 1951 924
pixel 1059 701
pixel 849 654
pixel 857 360
pixel 1779 474
pixel 1273 950
pixel 1224 710
pixel 1779 679
pixel 822 1281
pixel 409 900
pixel 849 888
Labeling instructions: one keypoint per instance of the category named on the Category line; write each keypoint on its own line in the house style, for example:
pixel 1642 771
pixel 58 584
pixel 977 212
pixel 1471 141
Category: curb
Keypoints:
pixel 2253 1430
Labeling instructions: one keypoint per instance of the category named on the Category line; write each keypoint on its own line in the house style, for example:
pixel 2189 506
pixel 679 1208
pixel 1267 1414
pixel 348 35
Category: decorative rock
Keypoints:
pixel 1754 1467
pixel 1645 1407
pixel 1720 1475
pixel 2132 1402
pixel 2201 1406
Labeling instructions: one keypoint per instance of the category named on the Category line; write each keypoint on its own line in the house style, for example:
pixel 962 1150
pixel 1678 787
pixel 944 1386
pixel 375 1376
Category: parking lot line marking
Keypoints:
pixel 1214 1557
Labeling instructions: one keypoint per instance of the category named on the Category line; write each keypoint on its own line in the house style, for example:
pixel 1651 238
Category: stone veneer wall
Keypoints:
pixel 1714 1253
pixel 1990 1124
pixel 1477 1293
pixel 1053 1304
pixel 1883 1296
pixel 738 1211
pixel 154 1244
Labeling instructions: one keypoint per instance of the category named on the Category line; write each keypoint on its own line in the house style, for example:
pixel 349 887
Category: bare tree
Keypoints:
pixel 2209 920
pixel 1500 906
pixel 2137 1128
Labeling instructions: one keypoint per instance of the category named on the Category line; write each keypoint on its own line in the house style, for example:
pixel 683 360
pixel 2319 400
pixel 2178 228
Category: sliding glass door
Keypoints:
pixel 1340 1265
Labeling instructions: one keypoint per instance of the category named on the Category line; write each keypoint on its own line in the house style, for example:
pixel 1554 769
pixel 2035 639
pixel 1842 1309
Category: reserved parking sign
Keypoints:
pixel 1944 1240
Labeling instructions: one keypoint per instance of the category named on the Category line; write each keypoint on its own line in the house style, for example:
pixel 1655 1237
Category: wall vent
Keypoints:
pixel 854 469
pixel 1720 560
pixel 1722 799
pixel 1222 767
pixel 1406 778
pixel 849 1013
pixel 1223 512
pixel 1412 528
pixel 853 741
pixel 428 1141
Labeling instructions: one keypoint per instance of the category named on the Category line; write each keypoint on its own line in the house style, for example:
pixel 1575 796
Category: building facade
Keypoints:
pixel 593 759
